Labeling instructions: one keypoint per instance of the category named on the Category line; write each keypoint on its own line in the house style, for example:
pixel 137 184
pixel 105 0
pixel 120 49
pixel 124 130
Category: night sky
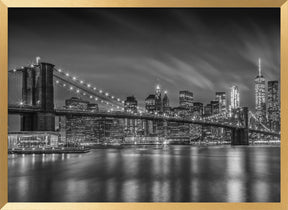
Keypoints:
pixel 128 51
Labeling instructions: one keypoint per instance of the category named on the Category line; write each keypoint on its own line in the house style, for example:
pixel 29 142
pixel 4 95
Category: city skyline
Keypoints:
pixel 144 105
pixel 189 61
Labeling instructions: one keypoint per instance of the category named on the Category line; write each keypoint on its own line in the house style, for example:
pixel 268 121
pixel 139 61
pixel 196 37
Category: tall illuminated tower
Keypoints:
pixel 158 99
pixel 273 105
pixel 260 95
pixel 221 98
pixel 165 103
pixel 235 97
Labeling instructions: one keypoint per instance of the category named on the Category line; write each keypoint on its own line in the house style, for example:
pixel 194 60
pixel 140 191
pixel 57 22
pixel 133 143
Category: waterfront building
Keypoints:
pixel 186 99
pixel 221 98
pixel 197 113
pixel 176 129
pixel 75 125
pixel 260 95
pixel 273 103
pixel 116 131
pixel 62 129
pixel 179 130
pixel 79 129
pixel 30 139
pixel 130 104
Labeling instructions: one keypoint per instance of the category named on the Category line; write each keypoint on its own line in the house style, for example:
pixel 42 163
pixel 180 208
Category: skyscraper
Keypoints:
pixel 153 103
pixel 185 99
pixel 235 98
pixel 158 99
pixel 260 95
pixel 221 98
pixel 150 103
pixel 166 106
pixel 215 107
pixel 197 109
pixel 130 104
pixel 273 105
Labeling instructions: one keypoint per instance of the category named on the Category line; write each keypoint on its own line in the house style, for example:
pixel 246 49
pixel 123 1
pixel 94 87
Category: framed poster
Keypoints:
pixel 143 105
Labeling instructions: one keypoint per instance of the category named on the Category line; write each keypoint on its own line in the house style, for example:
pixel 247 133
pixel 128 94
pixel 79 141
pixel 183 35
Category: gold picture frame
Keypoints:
pixel 5 4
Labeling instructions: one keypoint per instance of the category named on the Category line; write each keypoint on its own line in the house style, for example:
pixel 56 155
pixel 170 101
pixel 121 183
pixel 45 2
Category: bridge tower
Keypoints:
pixel 38 91
pixel 240 135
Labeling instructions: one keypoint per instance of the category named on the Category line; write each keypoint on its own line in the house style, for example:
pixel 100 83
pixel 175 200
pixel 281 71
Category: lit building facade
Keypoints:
pixel 215 107
pixel 153 103
pixel 79 129
pixel 186 99
pixel 260 95
pixel 33 139
pixel 158 99
pixel 177 129
pixel 197 110
pixel 150 103
pixel 235 97
pixel 221 98
pixel 273 103
pixel 165 103
pixel 116 130
pixel 130 104
pixel 76 103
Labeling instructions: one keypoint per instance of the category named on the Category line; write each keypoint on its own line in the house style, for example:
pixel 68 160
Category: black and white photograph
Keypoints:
pixel 144 105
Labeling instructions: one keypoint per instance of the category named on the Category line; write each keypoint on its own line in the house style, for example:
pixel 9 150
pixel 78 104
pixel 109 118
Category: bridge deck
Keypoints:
pixel 12 109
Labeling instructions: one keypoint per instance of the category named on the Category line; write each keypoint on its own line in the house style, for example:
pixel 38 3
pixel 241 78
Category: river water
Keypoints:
pixel 148 174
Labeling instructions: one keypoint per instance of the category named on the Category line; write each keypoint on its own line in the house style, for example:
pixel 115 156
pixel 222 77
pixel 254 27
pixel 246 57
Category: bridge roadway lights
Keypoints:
pixel 240 136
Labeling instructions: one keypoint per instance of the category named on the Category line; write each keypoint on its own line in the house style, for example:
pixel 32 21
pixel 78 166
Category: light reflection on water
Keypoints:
pixel 133 174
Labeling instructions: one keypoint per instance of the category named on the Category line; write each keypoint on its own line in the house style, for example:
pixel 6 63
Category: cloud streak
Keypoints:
pixel 127 51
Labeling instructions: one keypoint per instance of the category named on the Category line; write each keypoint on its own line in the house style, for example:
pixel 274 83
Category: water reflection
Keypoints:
pixel 133 174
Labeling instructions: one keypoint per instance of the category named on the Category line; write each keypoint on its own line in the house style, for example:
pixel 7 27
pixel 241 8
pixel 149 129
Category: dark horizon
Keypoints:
pixel 128 51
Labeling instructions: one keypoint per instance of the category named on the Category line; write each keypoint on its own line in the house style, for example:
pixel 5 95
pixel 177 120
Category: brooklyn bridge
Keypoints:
pixel 38 110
